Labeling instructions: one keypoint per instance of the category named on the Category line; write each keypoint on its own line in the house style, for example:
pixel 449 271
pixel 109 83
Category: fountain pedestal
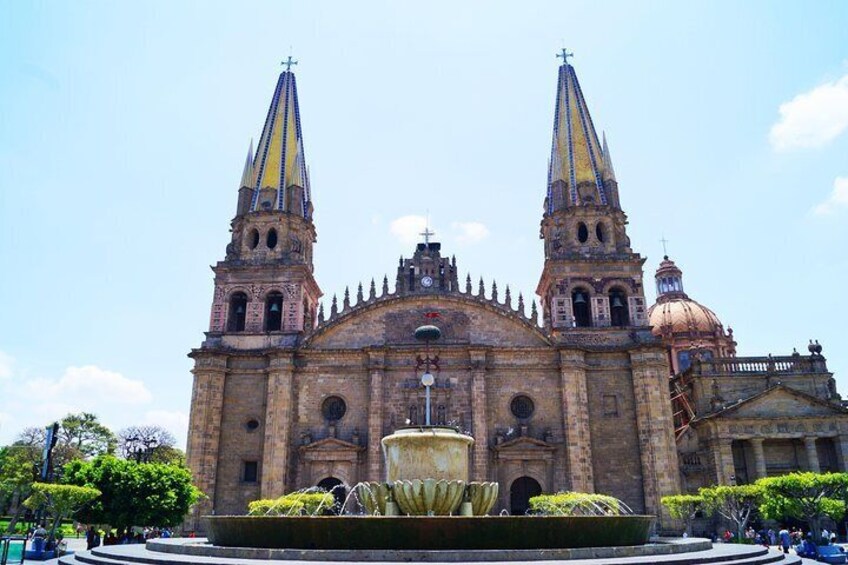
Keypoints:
pixel 427 452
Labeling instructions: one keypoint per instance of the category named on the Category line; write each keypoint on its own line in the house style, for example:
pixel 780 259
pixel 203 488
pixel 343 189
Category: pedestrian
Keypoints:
pixel 785 539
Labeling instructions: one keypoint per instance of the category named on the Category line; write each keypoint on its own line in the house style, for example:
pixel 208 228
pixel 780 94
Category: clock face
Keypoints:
pixel 426 281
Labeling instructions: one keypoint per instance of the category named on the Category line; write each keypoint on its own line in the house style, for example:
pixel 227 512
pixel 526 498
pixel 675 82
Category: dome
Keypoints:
pixel 683 315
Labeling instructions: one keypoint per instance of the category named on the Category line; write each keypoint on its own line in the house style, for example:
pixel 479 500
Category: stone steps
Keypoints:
pixel 720 554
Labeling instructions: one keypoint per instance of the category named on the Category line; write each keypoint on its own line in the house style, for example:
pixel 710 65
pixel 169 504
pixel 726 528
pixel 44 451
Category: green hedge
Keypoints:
pixel 575 504
pixel 294 504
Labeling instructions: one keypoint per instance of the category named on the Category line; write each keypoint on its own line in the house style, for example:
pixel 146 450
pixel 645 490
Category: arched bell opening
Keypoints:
pixel 580 307
pixel 274 312
pixel 619 312
pixel 237 312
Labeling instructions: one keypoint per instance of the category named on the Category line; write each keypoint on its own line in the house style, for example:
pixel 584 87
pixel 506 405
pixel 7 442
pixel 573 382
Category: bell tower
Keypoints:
pixel 266 284
pixel 591 277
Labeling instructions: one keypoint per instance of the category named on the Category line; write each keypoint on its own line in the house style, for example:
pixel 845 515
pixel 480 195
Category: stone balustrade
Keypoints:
pixel 768 365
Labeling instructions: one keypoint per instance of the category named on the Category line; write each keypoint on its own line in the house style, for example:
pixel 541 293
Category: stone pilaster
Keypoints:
pixel 725 470
pixel 376 370
pixel 812 454
pixel 841 442
pixel 575 411
pixel 480 425
pixel 759 457
pixel 204 432
pixel 660 469
pixel 278 419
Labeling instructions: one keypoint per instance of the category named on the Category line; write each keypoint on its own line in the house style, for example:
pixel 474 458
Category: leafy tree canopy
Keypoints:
pixel 143 443
pixel 805 496
pixel 736 503
pixel 60 501
pixel 134 493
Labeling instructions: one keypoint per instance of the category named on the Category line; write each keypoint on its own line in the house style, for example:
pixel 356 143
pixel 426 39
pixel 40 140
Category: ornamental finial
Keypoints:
pixel 564 55
pixel 289 62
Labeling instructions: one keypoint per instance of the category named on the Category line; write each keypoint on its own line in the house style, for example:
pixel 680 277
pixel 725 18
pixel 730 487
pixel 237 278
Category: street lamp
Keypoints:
pixel 427 334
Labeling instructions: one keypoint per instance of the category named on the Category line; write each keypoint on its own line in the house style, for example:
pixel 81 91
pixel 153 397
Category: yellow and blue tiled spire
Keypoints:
pixel 280 161
pixel 580 165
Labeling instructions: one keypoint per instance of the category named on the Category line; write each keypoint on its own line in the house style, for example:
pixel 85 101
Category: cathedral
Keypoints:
pixel 598 392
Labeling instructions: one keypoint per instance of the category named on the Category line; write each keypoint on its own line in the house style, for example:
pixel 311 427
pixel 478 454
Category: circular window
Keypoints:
pixel 254 239
pixel 582 233
pixel 252 425
pixel 522 407
pixel 333 408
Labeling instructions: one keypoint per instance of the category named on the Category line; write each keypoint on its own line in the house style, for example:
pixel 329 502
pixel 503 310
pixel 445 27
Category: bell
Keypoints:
pixel 579 298
pixel 616 302
pixel 239 309
pixel 275 307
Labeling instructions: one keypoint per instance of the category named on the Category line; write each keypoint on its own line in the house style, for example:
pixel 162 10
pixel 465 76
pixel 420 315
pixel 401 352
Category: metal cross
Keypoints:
pixel 288 63
pixel 664 241
pixel 427 233
pixel 564 56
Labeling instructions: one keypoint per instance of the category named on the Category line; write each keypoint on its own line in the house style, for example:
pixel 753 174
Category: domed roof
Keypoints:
pixel 683 315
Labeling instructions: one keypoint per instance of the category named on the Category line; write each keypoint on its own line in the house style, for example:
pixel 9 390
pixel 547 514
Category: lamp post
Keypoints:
pixel 427 334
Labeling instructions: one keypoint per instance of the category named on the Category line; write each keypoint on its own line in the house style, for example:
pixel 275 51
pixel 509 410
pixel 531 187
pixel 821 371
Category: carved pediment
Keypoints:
pixel 331 449
pixel 524 448
pixel 779 402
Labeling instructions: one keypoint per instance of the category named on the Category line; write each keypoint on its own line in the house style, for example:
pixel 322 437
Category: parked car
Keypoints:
pixel 827 554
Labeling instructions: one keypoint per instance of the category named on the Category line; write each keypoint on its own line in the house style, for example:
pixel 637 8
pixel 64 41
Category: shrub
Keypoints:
pixel 575 504
pixel 293 504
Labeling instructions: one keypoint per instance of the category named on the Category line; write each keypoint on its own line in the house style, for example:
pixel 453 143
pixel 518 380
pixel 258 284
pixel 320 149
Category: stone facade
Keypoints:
pixel 573 397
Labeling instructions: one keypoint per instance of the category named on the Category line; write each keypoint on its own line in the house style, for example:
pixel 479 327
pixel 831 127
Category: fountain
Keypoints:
pixel 428 503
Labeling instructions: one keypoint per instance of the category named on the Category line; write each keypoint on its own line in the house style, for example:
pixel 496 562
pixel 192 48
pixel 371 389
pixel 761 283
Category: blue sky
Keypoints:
pixel 123 129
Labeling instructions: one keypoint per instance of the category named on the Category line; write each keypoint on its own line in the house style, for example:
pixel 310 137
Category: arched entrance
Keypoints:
pixel 520 493
pixel 335 486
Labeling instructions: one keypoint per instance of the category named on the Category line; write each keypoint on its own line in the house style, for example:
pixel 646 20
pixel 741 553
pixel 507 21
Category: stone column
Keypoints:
pixel 376 370
pixel 480 424
pixel 812 454
pixel 278 421
pixel 575 413
pixel 759 456
pixel 655 426
pixel 204 432
pixel 841 443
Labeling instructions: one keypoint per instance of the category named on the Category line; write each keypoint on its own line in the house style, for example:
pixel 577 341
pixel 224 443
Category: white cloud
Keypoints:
pixel 88 387
pixel 6 362
pixel 470 232
pixel 407 229
pixel 838 198
pixel 813 118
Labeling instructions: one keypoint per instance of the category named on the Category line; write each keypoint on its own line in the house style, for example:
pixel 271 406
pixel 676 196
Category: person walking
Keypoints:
pixel 785 539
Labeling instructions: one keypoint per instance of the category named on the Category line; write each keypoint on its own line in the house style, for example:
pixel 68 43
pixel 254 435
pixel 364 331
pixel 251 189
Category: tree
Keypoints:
pixel 20 466
pixel 60 501
pixel 86 434
pixel 734 502
pixel 806 496
pixel 134 493
pixel 143 442
pixel 684 507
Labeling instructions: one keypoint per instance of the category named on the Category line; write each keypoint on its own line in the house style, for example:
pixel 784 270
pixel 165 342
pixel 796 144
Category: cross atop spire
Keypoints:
pixel 289 62
pixel 427 233
pixel 664 242
pixel 565 55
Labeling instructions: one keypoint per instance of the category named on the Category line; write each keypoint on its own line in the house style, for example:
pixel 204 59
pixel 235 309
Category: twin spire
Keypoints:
pixel 277 174
pixel 580 170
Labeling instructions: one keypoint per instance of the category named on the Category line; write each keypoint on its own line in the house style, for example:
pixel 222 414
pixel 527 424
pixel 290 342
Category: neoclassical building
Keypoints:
pixel 738 419
pixel 289 393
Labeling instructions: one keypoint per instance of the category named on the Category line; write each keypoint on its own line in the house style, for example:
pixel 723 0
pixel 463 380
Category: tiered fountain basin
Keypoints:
pixel 427 503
